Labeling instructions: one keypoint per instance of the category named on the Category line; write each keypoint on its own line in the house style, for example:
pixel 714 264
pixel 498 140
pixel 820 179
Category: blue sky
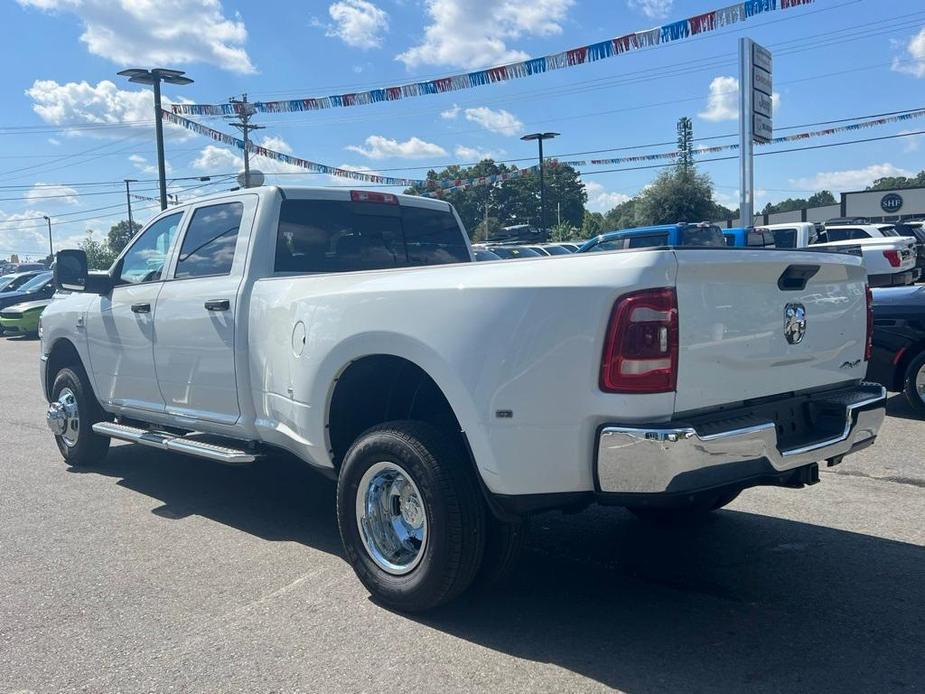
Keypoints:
pixel 834 59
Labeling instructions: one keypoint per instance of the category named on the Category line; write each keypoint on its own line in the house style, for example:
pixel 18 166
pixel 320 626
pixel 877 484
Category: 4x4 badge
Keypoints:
pixel 794 323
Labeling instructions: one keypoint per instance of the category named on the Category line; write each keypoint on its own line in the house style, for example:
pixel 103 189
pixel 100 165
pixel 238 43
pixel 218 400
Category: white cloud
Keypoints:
pixel 849 179
pixel 474 33
pixel 216 159
pixel 53 141
pixel 277 144
pixel 170 32
pixel 379 147
pixel 450 113
pixel 912 142
pixel 500 121
pixel 471 154
pixel 82 104
pixel 723 100
pixel 913 60
pixel 602 200
pixel 653 9
pixel 357 23
pixel 146 167
pixel 52 193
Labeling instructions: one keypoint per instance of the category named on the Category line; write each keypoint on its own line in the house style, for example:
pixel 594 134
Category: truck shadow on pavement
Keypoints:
pixel 898 406
pixel 744 602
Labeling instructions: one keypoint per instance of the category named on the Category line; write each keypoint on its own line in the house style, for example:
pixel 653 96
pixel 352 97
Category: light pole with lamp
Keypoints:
pixel 155 77
pixel 539 137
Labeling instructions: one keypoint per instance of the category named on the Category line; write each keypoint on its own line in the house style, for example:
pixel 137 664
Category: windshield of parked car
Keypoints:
pixel 556 250
pixel 35 283
pixel 710 236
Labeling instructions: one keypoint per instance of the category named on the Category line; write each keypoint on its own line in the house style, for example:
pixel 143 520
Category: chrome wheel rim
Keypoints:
pixel 920 382
pixel 392 518
pixel 68 402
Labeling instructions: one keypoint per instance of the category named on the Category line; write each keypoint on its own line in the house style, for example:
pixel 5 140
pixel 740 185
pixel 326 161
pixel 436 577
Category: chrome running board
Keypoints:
pixel 172 442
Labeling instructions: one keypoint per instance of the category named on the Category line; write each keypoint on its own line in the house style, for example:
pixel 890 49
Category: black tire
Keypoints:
pixel 909 389
pixel 453 507
pixel 88 448
pixel 688 514
pixel 504 544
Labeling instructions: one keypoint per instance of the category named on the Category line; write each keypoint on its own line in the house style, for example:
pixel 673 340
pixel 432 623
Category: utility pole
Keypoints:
pixel 51 249
pixel 155 77
pixel 128 201
pixel 539 137
pixel 245 110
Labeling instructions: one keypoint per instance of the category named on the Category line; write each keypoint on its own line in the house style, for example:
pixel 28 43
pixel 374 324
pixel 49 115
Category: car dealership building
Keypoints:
pixel 875 205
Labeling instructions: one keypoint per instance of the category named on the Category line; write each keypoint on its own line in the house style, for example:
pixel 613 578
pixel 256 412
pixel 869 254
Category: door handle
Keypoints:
pixel 141 308
pixel 218 305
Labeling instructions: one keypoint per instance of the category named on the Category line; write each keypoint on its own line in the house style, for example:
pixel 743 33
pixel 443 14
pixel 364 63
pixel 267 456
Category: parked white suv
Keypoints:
pixel 890 259
pixel 450 399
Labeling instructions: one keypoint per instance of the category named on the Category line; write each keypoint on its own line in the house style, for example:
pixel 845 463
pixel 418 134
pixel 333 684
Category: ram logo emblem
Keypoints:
pixel 794 323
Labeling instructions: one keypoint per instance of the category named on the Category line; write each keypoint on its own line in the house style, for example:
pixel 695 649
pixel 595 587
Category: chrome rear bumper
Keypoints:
pixel 669 459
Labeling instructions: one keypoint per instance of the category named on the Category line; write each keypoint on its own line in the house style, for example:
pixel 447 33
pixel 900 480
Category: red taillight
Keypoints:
pixel 641 347
pixel 893 258
pixel 367 196
pixel 869 344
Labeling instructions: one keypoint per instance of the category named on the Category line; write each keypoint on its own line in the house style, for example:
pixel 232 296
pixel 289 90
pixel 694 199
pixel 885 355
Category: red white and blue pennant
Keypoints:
pixel 667 33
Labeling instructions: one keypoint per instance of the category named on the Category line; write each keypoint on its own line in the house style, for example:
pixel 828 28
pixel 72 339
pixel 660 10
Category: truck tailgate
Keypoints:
pixel 733 342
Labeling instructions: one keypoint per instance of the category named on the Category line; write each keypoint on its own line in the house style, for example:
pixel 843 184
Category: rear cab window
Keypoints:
pixel 648 241
pixel 785 238
pixel 320 236
pixel 704 236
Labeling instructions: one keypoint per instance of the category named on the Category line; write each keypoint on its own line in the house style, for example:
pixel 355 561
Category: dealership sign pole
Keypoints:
pixel 755 89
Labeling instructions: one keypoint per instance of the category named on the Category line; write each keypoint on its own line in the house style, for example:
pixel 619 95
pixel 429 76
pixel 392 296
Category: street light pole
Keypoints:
pixel 539 137
pixel 154 78
pixel 128 201
pixel 51 248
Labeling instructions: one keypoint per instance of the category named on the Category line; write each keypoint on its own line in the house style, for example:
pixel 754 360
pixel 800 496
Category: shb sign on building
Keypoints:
pixel 762 89
pixel 891 202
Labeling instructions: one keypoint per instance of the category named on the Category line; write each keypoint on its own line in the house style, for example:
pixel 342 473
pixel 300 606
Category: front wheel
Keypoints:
pixel 71 415
pixel 411 517
pixel 914 384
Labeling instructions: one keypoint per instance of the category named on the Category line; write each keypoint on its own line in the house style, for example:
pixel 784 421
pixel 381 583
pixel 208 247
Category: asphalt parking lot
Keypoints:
pixel 156 572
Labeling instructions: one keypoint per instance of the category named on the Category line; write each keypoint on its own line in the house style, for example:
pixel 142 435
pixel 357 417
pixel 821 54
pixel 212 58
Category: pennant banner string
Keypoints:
pixel 669 33
pixel 437 187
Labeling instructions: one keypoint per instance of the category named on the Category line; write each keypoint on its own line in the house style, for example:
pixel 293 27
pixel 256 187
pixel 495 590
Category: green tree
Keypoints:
pixel 622 216
pixel 120 234
pixel 486 230
pixel 893 182
pixel 677 195
pixel 99 255
pixel 823 197
pixel 564 232
pixel 516 201
pixel 592 224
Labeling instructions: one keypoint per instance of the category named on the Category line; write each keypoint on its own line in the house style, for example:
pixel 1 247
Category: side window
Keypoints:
pixel 785 238
pixel 208 247
pixel 144 261
pixel 648 241
pixel 613 245
pixel 730 239
pixel 838 234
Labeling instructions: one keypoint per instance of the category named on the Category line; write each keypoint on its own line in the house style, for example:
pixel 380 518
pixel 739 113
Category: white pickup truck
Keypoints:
pixel 890 259
pixel 451 399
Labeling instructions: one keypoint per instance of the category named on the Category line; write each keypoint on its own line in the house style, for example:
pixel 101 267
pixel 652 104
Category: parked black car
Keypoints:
pixel 13 281
pixel 39 287
pixel 509 252
pixel 898 359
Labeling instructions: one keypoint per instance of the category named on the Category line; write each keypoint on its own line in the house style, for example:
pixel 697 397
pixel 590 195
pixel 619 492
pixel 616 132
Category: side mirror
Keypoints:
pixel 71 274
pixel 71 270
